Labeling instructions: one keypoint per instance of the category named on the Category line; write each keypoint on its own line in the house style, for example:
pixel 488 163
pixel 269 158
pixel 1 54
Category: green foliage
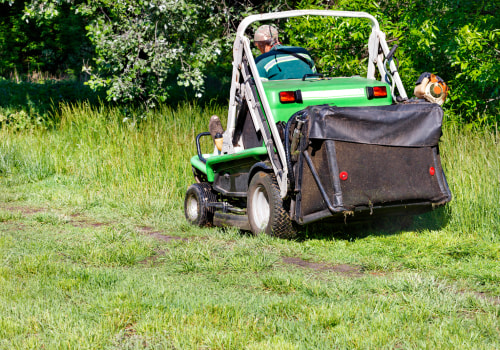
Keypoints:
pixel 162 50
pixel 339 46
pixel 458 40
pixel 146 49
pixel 141 50
pixel 54 42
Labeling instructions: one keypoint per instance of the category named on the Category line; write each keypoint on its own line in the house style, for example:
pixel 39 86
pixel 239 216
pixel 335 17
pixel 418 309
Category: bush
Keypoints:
pixel 458 40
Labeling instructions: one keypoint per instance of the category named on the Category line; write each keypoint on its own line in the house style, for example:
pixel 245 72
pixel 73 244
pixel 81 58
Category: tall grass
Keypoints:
pixel 32 99
pixel 139 163
pixel 472 163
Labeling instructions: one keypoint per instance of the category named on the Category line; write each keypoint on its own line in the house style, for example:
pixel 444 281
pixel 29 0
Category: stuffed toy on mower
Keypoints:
pixel 297 151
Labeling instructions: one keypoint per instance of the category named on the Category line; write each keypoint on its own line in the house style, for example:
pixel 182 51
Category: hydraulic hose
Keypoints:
pixel 296 116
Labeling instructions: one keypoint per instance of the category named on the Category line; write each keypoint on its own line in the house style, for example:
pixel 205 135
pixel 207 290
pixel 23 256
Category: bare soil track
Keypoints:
pixel 82 221
pixel 342 269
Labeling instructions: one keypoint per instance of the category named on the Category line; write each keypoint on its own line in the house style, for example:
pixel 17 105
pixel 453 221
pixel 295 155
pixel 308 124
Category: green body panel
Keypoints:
pixel 213 159
pixel 198 164
pixel 340 92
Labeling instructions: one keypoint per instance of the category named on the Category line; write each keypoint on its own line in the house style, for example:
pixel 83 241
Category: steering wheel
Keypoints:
pixel 312 75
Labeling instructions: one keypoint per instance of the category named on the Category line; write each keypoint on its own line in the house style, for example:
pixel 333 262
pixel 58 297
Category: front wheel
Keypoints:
pixel 196 209
pixel 265 208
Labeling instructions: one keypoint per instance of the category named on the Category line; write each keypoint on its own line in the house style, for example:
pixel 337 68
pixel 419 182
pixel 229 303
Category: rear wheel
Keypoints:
pixel 265 208
pixel 196 209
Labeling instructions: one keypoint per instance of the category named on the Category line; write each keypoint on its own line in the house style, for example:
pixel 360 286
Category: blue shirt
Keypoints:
pixel 282 62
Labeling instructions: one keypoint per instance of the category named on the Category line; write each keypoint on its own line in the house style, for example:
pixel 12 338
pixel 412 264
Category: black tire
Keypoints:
pixel 265 208
pixel 196 209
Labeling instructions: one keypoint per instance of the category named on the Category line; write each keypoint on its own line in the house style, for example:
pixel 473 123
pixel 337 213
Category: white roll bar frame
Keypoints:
pixel 242 44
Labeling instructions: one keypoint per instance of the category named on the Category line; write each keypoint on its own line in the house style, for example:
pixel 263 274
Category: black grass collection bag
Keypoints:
pixel 370 161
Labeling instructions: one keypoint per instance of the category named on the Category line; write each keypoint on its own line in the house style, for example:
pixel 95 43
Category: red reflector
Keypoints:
pixel 343 175
pixel 379 91
pixel 432 171
pixel 287 96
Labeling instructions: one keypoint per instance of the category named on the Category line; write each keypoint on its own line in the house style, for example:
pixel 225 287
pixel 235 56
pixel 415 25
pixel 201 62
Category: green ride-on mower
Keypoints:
pixel 297 151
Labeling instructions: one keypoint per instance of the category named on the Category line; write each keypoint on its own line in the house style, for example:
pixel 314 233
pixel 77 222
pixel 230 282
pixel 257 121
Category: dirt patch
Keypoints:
pixel 153 260
pixel 150 231
pixel 77 220
pixel 130 331
pixel 495 300
pixel 146 229
pixel 159 235
pixel 83 223
pixel 130 338
pixel 13 226
pixel 342 269
pixel 23 210
pixel 80 220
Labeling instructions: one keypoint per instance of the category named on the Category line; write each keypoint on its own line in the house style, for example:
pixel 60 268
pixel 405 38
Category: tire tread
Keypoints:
pixel 280 223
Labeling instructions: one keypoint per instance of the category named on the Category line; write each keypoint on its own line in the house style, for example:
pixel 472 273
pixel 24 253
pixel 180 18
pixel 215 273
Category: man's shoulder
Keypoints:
pixel 265 55
pixel 294 49
pixel 283 50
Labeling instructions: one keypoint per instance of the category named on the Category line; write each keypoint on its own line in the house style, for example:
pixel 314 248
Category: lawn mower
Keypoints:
pixel 297 151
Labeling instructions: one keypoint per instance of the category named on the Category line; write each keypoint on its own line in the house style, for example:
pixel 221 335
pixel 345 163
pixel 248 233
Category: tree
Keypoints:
pixel 457 39
pixel 146 49
pixel 50 43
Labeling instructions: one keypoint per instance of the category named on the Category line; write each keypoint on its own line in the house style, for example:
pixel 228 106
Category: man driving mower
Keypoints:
pixel 278 62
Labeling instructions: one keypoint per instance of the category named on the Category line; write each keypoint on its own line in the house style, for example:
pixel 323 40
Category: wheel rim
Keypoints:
pixel 192 208
pixel 260 208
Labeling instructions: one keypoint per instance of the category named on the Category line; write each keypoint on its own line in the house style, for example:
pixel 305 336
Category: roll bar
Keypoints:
pixel 297 13
pixel 242 46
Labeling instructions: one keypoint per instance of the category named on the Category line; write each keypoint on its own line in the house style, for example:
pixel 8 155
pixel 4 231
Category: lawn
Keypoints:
pixel 95 251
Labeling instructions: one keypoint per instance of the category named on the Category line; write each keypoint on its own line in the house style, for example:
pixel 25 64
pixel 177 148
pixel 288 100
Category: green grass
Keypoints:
pixel 95 251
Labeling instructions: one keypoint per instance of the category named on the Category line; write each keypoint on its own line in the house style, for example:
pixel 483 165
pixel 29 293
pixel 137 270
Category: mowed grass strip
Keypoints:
pixel 83 265
pixel 227 291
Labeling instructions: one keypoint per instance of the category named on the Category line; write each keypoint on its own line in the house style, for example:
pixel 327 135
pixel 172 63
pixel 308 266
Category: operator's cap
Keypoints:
pixel 266 33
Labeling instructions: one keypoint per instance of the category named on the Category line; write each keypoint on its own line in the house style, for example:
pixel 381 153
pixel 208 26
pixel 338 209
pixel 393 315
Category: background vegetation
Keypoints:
pixel 458 40
pixel 163 50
